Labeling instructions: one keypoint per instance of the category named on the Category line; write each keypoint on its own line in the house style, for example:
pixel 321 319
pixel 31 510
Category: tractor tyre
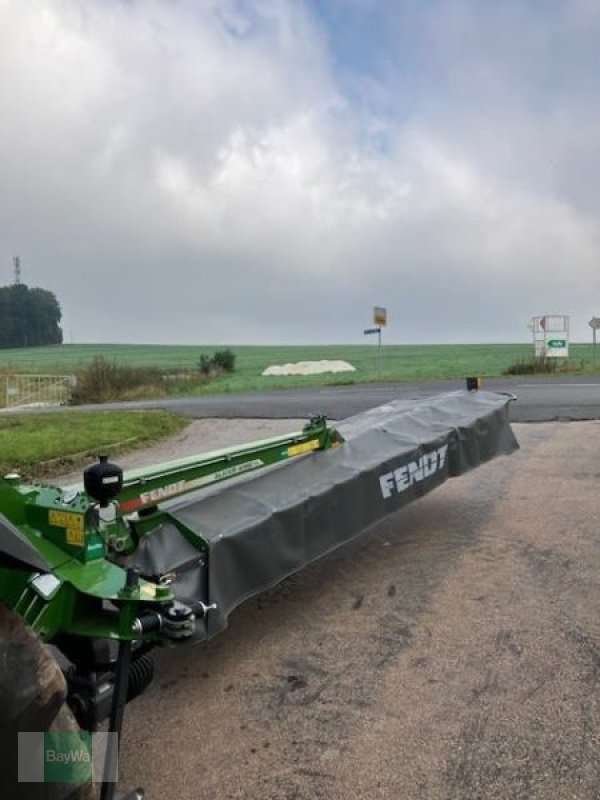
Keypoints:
pixel 32 698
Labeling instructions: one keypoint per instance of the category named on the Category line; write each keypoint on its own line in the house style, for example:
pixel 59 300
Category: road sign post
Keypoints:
pixel 594 324
pixel 369 332
pixel 380 320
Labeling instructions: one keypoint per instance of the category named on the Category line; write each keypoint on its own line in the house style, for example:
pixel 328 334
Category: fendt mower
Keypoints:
pixel 93 577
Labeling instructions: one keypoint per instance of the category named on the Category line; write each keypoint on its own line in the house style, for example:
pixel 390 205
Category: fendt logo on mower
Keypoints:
pixel 400 479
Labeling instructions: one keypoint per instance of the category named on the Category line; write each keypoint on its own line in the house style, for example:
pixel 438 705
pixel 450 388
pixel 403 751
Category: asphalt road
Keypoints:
pixel 538 399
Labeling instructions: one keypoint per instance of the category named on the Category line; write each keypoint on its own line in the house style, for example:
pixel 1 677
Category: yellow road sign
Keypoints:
pixel 379 315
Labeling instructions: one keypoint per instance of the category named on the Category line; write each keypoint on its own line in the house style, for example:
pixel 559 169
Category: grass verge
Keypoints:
pixel 539 365
pixel 42 445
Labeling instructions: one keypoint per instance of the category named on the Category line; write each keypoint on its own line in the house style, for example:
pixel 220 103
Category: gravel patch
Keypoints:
pixel 200 436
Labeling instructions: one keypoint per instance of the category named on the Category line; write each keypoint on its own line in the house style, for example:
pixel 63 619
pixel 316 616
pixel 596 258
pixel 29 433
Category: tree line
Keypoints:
pixel 28 317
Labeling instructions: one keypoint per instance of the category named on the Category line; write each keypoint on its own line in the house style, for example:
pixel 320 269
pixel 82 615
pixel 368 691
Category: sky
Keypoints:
pixel 266 171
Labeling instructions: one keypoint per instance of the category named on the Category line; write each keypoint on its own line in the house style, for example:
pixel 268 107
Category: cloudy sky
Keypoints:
pixel 263 171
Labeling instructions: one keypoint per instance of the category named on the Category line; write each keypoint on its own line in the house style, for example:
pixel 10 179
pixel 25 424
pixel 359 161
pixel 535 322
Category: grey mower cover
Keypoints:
pixel 265 527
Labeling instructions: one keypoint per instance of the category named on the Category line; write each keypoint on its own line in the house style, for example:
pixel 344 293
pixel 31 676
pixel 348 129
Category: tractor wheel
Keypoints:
pixel 32 698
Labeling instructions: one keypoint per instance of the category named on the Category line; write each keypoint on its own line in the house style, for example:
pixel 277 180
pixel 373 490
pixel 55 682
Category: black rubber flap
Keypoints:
pixel 262 529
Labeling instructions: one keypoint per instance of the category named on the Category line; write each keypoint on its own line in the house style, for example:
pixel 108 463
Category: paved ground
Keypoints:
pixel 575 397
pixel 538 399
pixel 451 653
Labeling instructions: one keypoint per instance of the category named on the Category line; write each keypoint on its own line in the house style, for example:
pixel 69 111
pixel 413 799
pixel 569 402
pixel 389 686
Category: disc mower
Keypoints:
pixel 93 577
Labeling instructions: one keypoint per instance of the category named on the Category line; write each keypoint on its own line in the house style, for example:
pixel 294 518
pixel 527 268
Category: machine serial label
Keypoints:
pixel 304 447
pixel 74 525
pixel 228 472
pixel 415 471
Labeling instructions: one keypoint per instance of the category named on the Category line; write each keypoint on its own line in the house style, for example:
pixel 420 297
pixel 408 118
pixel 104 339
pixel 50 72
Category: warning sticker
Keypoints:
pixel 74 525
pixel 305 447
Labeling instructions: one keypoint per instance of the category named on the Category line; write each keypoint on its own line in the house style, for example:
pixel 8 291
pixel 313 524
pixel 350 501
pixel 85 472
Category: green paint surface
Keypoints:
pixel 68 757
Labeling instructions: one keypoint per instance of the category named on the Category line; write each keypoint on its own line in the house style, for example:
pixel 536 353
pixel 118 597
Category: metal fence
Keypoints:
pixel 35 390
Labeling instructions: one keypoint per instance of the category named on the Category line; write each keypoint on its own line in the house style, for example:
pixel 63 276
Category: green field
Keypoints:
pixel 45 445
pixel 399 362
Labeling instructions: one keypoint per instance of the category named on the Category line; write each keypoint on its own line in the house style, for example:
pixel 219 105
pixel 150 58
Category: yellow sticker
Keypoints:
pixel 305 447
pixel 74 525
pixel 147 590
pixel 66 519
pixel 76 538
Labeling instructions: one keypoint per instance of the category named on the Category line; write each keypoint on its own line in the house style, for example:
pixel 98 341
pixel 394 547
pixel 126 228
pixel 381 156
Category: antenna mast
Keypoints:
pixel 17 263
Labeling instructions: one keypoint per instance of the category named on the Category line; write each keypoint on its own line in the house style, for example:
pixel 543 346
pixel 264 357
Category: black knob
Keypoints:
pixel 103 481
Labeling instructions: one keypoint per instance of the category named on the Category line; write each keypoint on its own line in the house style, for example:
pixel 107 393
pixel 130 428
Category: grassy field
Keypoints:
pixel 41 445
pixel 399 362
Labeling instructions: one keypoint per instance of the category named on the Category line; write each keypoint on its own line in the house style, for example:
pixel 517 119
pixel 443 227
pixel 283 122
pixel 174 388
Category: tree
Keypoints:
pixel 28 317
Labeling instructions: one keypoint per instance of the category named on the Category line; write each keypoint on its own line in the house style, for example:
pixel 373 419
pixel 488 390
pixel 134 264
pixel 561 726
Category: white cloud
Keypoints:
pixel 181 171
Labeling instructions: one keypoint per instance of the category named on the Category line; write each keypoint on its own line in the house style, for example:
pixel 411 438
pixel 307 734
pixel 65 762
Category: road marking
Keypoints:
pixel 557 385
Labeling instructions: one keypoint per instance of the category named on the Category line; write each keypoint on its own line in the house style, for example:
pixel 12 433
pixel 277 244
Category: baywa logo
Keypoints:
pixel 67 757
pixel 399 480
